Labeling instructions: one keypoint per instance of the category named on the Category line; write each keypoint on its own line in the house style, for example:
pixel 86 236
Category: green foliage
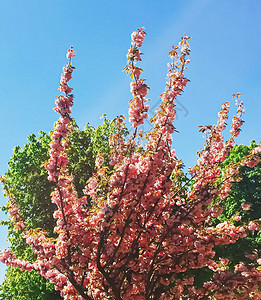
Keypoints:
pixel 247 190
pixel 26 181
pixel 24 285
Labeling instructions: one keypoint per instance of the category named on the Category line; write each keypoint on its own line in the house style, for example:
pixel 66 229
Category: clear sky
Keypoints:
pixel 34 37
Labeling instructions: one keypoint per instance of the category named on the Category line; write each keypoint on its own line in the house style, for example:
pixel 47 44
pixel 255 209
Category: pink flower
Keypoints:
pixel 253 226
pixel 246 206
pixel 138 37
pixel 251 256
pixel 253 162
pixel 256 150
pixel 237 218
pixel 70 53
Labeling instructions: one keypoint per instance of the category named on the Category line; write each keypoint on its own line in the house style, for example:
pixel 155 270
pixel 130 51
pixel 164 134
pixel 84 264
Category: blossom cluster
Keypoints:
pixel 137 109
pixel 58 160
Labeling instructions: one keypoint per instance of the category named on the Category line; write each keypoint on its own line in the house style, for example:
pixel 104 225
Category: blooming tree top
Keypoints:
pixel 145 233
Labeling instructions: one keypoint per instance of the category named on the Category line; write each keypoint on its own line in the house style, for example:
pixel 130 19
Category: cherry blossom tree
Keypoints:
pixel 140 231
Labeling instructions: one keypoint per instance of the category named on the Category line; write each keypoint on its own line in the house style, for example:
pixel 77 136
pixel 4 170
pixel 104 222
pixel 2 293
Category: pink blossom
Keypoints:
pixel 246 206
pixel 237 218
pixel 251 256
pixel 256 150
pixel 70 53
pixel 253 226
pixel 138 37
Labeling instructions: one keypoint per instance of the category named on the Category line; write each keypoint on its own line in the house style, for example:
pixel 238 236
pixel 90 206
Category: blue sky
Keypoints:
pixel 35 35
